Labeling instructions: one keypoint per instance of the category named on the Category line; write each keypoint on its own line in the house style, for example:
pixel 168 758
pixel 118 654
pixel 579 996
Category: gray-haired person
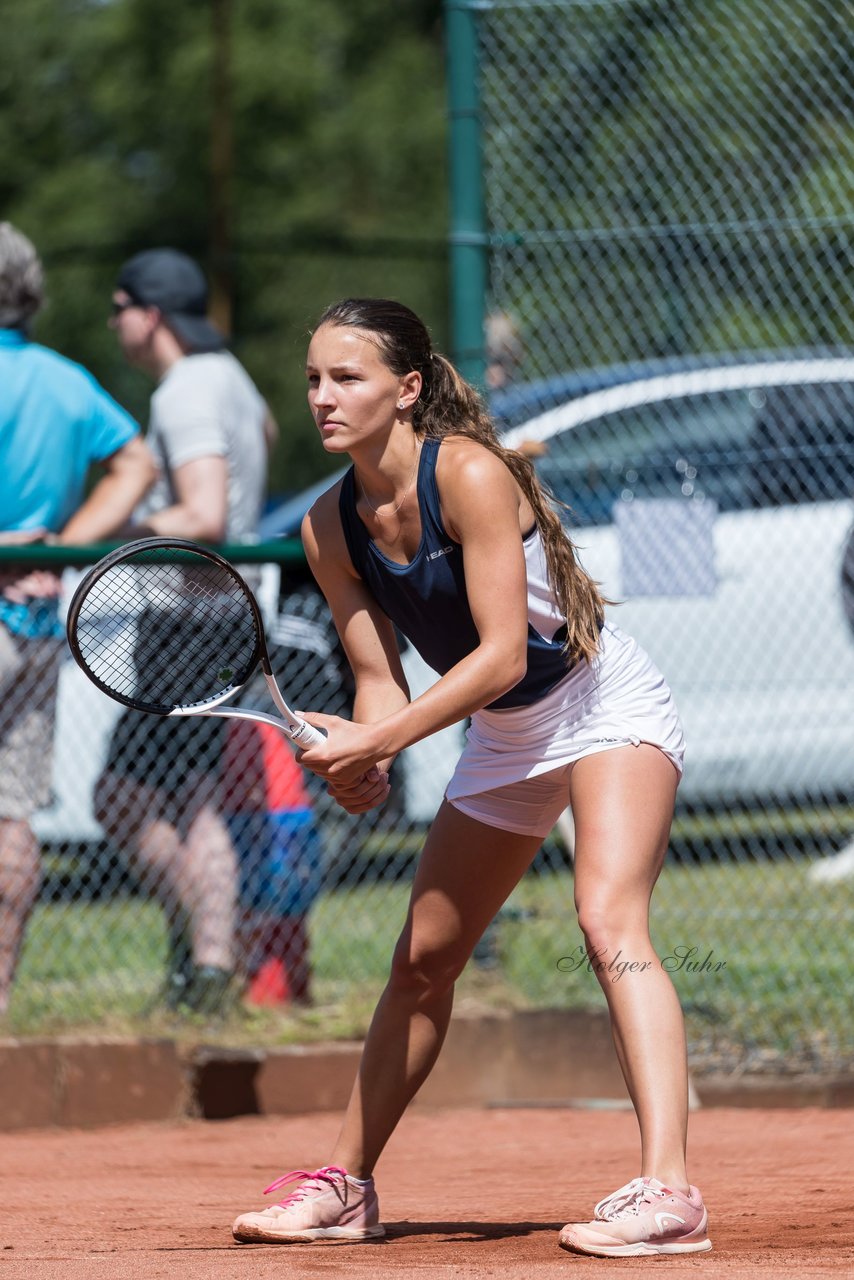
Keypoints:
pixel 55 422
pixel 210 431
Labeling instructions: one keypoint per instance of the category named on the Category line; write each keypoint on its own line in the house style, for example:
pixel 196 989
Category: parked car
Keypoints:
pixel 713 502
pixel 711 497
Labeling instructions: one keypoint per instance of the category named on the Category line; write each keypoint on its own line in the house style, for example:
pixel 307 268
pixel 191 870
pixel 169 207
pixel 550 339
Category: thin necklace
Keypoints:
pixel 395 510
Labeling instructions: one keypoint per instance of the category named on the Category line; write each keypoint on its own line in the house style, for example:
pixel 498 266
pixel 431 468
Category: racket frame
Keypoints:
pixel 298 731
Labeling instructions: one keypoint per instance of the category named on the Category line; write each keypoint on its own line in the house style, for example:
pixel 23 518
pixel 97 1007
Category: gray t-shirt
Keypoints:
pixel 208 406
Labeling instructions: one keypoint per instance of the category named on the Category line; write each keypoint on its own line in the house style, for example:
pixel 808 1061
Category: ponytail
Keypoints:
pixel 451 406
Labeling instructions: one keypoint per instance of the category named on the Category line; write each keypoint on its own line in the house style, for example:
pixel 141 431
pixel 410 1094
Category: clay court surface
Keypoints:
pixel 464 1193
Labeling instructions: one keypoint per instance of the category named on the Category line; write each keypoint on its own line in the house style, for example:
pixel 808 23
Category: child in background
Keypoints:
pixel 275 833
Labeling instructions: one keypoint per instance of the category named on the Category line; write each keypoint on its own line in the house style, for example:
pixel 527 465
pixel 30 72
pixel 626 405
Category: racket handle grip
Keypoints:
pixel 306 735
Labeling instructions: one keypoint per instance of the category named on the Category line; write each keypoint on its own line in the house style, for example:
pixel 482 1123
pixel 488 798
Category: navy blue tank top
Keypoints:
pixel 426 599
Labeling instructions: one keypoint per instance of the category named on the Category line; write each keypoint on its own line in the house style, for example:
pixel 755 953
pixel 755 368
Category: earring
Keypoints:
pixel 401 405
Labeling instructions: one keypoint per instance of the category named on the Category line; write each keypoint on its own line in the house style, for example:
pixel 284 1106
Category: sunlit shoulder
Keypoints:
pixel 465 466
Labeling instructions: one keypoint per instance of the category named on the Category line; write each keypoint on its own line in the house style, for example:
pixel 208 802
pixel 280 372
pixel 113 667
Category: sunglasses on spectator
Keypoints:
pixel 119 307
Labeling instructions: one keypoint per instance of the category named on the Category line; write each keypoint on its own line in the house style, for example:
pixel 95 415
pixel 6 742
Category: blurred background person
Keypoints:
pixel 504 350
pixel 55 422
pixel 210 431
pixel 840 866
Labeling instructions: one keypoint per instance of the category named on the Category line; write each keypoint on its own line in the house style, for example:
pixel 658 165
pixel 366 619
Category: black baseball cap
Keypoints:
pixel 174 283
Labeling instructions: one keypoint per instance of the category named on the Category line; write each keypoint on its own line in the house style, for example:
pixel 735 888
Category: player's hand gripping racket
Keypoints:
pixel 168 627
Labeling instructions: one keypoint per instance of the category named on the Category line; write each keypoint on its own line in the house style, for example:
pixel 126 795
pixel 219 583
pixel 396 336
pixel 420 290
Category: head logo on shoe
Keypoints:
pixel 659 1219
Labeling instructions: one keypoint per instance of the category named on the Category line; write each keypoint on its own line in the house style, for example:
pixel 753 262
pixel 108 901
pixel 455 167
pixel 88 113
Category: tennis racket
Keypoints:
pixel 170 628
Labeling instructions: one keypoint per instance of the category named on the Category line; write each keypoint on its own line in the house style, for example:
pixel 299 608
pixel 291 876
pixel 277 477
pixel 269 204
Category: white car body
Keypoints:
pixel 759 656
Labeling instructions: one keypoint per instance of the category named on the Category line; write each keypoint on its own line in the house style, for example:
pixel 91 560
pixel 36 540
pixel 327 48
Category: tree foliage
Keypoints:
pixel 679 174
pixel 336 182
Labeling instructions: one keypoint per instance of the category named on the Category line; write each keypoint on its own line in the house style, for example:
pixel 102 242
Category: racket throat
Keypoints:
pixel 298 731
pixel 290 728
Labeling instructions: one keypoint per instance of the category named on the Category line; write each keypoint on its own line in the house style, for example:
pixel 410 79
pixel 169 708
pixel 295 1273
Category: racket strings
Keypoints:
pixel 166 635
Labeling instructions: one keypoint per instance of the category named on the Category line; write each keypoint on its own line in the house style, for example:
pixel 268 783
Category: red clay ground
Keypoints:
pixel 464 1193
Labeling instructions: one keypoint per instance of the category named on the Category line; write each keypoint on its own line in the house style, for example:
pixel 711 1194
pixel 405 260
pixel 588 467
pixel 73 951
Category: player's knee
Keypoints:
pixel 601 921
pixel 424 974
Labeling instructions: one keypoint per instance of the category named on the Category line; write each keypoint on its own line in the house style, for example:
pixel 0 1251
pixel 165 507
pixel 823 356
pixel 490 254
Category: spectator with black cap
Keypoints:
pixel 209 427
pixel 210 432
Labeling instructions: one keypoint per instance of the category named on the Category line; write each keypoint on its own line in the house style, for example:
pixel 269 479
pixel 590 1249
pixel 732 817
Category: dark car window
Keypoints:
pixel 693 446
pixel 803 440
pixel 740 449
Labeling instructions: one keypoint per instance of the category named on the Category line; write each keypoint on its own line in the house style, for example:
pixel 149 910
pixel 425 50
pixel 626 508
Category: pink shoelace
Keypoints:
pixel 329 1174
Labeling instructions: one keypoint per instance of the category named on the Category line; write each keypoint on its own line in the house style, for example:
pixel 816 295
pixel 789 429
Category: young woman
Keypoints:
pixel 438 530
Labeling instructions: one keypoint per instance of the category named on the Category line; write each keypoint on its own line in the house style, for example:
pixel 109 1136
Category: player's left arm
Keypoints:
pixel 480 503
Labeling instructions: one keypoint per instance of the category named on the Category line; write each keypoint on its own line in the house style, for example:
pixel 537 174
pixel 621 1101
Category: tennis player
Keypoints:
pixel 439 531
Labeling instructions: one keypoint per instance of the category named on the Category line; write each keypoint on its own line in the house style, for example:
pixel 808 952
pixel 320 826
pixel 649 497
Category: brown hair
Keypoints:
pixel 447 406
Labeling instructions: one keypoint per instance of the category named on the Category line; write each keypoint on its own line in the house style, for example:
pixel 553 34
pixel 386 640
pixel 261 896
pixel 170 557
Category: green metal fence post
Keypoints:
pixel 468 238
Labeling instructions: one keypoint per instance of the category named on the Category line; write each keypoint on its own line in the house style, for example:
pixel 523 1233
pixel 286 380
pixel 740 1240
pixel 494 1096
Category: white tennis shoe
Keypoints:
pixel 643 1217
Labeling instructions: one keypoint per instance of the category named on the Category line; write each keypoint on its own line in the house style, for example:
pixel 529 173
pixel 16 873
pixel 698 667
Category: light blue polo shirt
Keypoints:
pixel 55 421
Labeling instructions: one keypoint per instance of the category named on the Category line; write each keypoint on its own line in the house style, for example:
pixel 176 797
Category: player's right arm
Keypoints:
pixel 365 632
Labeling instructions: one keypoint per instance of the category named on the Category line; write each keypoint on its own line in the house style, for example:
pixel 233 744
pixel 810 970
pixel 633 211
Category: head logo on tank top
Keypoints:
pixel 443 551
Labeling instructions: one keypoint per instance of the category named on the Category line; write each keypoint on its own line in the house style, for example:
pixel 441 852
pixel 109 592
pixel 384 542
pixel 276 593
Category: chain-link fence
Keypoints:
pixel 668 191
pixel 188 865
pixel 191 869
pixel 666 177
pixel 668 195
pixel 223 881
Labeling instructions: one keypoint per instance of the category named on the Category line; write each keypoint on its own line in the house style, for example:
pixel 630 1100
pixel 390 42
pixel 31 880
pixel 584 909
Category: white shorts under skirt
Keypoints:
pixel 513 772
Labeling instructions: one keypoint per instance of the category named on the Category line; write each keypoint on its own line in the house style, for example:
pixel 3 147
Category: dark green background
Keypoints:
pixel 338 181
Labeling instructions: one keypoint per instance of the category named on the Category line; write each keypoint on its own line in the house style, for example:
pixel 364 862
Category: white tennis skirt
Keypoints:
pixel 619 699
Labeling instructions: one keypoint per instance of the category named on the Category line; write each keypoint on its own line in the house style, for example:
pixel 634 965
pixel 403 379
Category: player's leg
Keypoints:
pixel 465 873
pixel 623 806
pixel 622 802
